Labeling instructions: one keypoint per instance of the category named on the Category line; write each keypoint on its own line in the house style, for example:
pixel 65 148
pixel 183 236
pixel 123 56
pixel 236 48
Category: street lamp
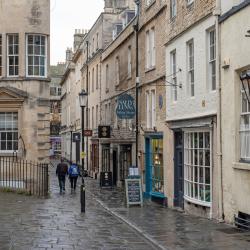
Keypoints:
pixel 83 95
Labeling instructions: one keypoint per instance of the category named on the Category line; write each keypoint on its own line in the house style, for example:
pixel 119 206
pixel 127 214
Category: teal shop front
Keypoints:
pixel 154 178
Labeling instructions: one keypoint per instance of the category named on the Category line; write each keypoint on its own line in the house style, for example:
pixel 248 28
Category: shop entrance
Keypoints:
pixel 154 167
pixel 125 161
pixel 178 171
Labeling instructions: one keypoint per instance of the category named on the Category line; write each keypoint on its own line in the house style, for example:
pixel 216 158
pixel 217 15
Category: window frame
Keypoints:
pixel 190 68
pixel 15 55
pixel 13 130
pixel 211 61
pixel 173 9
pixel 193 167
pixel 243 129
pixel 129 62
pixel 1 55
pixel 173 66
pixel 45 56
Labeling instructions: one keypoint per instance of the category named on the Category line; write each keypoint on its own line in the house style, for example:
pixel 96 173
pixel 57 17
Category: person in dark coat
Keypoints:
pixel 61 172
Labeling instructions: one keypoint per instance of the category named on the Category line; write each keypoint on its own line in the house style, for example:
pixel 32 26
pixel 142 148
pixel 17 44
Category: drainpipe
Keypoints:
pixel 219 112
pixel 87 106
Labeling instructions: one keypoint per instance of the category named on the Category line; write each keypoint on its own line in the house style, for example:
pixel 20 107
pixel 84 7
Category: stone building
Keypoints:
pixel 106 27
pixel 152 98
pixel 24 81
pixel 56 72
pixel 235 110
pixel 192 83
pixel 118 71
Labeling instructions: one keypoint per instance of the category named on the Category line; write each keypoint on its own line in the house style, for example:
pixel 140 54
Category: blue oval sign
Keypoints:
pixel 125 107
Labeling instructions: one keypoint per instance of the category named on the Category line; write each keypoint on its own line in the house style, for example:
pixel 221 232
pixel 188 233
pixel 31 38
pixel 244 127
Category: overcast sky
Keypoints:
pixel 66 16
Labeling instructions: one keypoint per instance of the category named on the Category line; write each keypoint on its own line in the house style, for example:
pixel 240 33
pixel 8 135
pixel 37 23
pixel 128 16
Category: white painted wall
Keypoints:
pixel 186 106
pixel 226 5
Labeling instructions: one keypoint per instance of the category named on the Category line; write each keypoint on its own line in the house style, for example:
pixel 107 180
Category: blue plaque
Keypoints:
pixel 125 107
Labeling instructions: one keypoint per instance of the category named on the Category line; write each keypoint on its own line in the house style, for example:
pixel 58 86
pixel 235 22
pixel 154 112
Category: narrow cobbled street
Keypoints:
pixel 28 223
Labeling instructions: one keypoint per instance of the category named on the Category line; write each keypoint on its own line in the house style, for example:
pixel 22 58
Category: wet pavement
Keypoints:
pixel 28 223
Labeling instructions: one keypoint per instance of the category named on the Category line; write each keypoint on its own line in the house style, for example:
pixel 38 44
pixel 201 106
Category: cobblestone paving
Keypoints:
pixel 172 229
pixel 27 223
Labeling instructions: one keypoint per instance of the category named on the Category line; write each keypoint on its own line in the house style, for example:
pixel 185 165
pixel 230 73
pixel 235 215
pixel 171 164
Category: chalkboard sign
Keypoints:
pixel 106 179
pixel 133 192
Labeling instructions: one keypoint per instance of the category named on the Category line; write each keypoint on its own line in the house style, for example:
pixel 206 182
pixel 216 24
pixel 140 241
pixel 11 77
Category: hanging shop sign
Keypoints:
pixel 125 107
pixel 76 137
pixel 104 131
pixel 134 192
pixel 88 133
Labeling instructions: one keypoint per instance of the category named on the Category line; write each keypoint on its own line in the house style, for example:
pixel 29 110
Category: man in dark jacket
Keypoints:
pixel 61 172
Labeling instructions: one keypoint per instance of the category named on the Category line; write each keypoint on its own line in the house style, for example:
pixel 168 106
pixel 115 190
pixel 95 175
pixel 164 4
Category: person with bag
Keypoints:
pixel 73 172
pixel 61 172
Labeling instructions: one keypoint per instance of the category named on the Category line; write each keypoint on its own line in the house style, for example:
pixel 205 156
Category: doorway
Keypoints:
pixel 178 170
pixel 114 167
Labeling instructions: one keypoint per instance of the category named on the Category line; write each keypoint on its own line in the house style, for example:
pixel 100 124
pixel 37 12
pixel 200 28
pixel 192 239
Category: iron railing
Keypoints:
pixel 24 176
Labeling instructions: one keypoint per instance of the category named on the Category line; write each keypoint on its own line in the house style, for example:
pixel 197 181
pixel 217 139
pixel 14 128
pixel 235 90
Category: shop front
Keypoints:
pixel 154 178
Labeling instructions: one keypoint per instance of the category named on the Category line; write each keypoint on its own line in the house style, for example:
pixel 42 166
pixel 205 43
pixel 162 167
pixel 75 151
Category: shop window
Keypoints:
pixel 105 158
pixel 8 132
pixel 157 166
pixel 245 124
pixel 1 56
pixel 197 167
pixel 125 161
pixel 13 55
pixel 36 55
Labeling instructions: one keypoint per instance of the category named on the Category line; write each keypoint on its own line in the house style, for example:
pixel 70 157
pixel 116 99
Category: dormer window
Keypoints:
pixel 117 30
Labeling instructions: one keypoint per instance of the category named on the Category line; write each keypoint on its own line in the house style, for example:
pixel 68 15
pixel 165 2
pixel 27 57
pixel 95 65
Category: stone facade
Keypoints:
pixel 119 59
pixel 56 72
pixel 24 90
pixel 235 166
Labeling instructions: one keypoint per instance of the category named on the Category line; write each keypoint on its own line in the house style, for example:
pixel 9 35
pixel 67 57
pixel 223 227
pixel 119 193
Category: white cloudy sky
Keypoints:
pixel 66 16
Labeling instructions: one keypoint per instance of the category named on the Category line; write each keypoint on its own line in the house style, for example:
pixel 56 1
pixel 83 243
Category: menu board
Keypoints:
pixel 134 192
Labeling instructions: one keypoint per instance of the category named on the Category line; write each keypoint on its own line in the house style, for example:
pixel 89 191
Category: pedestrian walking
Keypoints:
pixel 74 172
pixel 61 172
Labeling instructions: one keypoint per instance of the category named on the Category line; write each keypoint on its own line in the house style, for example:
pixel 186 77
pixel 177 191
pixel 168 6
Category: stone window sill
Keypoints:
pixel 150 69
pixel 242 165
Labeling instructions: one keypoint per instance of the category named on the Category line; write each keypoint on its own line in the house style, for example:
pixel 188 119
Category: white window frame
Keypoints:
pixel 36 55
pixel 190 67
pixel 173 9
pixel 15 55
pixel 211 60
pixel 5 129
pixel 93 79
pixel 150 49
pixel 97 76
pixel 173 66
pixel 148 111
pixel 117 71
pixel 107 77
pixel 245 126
pixel 129 62
pixel 153 108
pixel 1 55
pixel 197 165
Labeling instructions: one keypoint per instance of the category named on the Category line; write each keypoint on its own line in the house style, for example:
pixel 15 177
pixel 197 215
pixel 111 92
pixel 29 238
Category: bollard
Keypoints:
pixel 83 198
